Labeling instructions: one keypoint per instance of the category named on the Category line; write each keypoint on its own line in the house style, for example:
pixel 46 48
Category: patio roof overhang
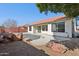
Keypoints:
pixel 41 22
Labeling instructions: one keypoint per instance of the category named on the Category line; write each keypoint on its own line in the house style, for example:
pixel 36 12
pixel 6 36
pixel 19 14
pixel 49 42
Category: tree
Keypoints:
pixel 71 10
pixel 10 23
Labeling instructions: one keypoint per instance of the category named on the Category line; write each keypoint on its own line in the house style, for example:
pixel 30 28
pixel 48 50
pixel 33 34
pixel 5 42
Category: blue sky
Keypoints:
pixel 23 13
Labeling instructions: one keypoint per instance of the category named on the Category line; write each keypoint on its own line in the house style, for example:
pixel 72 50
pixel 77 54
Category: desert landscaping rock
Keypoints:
pixel 56 46
pixel 59 46
pixel 6 37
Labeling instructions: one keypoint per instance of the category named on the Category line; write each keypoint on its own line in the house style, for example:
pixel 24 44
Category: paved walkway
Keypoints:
pixel 31 36
pixel 42 39
pixel 19 48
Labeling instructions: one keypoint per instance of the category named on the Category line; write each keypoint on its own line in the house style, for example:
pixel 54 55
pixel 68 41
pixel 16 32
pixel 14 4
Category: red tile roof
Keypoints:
pixel 49 20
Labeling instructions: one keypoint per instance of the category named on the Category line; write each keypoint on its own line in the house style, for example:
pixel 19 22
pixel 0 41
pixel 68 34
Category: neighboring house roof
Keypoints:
pixel 49 20
pixel 15 30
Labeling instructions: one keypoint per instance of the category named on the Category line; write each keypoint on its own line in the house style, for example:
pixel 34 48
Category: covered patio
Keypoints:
pixel 53 26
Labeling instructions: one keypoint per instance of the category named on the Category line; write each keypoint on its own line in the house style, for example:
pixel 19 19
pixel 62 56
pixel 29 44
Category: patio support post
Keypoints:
pixel 49 28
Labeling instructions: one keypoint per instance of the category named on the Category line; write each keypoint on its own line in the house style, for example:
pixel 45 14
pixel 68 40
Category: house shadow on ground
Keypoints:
pixel 19 48
pixel 70 43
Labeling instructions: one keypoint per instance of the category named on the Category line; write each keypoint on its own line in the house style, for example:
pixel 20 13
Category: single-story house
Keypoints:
pixel 56 26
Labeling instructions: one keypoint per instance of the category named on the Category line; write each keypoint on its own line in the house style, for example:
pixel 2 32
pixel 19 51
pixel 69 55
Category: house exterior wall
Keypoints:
pixel 68 27
pixel 76 32
pixel 67 33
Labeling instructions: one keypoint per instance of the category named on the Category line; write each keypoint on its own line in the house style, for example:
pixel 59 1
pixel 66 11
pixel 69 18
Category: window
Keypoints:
pixel 54 27
pixel 30 28
pixel 77 21
pixel 44 27
pixel 61 27
pixel 58 27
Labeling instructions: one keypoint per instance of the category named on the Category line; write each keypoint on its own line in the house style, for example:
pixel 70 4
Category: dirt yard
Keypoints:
pixel 19 48
pixel 74 43
pixel 52 53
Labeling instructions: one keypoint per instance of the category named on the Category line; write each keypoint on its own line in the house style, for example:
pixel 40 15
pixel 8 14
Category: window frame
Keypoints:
pixel 52 27
pixel 60 23
pixel 57 27
pixel 77 19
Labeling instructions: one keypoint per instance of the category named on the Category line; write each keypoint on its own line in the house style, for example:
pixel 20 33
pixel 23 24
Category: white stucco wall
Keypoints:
pixel 67 33
pixel 68 29
pixel 74 21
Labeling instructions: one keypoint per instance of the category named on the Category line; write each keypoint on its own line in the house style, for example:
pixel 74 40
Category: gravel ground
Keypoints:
pixel 52 53
pixel 19 48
